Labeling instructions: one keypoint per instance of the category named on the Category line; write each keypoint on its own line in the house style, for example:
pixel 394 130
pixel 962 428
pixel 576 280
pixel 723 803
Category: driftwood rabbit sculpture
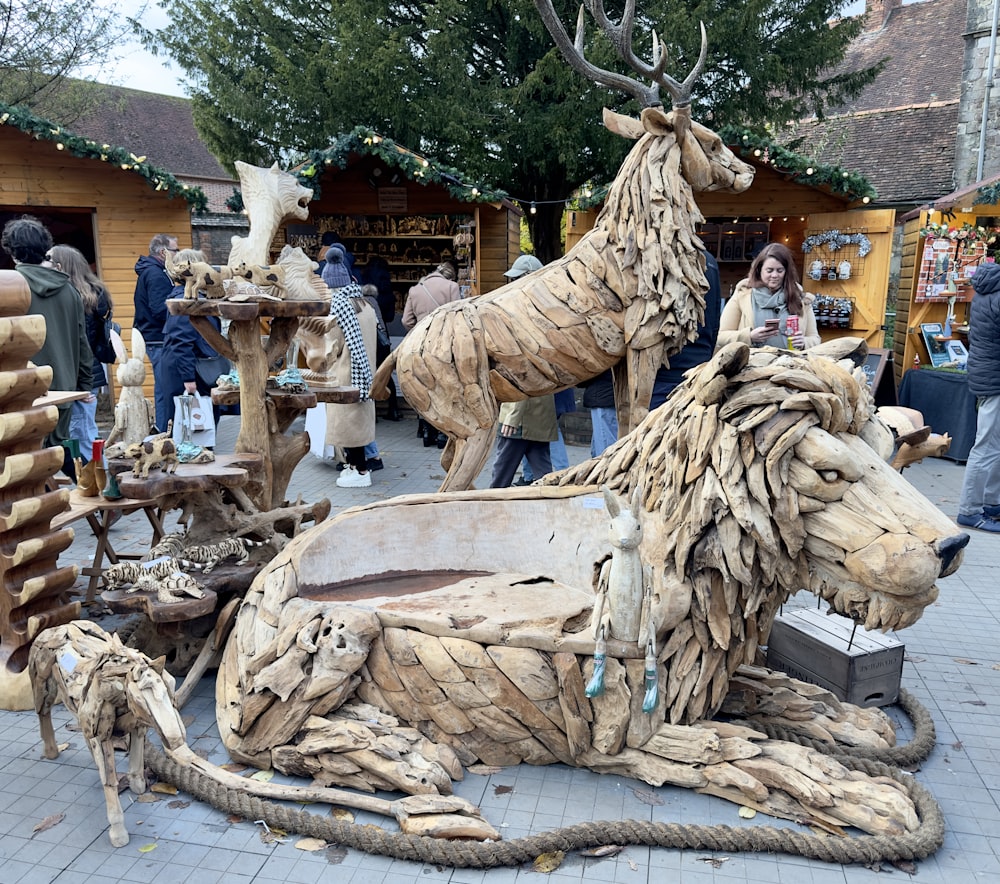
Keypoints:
pixel 134 413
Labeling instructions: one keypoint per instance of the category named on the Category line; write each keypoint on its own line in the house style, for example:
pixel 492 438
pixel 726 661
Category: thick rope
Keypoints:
pixel 918 844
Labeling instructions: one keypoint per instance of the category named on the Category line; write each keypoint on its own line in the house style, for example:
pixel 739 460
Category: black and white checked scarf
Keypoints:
pixel 342 310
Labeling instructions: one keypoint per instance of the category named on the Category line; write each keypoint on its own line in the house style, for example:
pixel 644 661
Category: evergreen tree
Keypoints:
pixel 479 84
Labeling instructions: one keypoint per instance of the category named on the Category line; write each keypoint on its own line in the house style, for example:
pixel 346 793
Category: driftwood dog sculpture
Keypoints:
pixel 762 474
pixel 112 690
pixel 628 295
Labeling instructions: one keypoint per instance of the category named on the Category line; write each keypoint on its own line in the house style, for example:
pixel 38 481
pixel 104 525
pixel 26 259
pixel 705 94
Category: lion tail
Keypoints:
pixel 380 382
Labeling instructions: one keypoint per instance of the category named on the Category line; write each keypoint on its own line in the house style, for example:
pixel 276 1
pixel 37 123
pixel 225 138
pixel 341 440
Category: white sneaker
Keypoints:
pixel 351 478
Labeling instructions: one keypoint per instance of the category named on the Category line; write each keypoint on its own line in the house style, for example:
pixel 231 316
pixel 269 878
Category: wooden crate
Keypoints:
pixel 816 647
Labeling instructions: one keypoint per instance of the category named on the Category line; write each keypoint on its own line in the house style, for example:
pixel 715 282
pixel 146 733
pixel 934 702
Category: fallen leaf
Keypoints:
pixel 233 767
pixel 632 864
pixel 342 814
pixel 49 822
pixel 164 788
pixel 957 745
pixel 603 850
pixel 484 770
pixel 747 813
pixel 62 747
pixel 548 862
pixel 714 861
pixel 179 805
pixel 147 848
pixel 310 844
pixel 648 797
pixel 910 659
pixel 233 818
pixel 189 720
pixel 905 865
pixel 263 776
pixel 503 790
pixel 966 662
pixel 147 798
pixel 973 703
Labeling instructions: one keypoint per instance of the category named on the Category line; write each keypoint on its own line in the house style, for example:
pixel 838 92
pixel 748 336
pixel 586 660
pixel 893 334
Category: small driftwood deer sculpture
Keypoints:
pixel 112 690
pixel 627 296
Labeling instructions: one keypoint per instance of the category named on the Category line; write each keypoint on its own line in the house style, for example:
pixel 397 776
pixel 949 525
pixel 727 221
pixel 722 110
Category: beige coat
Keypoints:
pixel 737 318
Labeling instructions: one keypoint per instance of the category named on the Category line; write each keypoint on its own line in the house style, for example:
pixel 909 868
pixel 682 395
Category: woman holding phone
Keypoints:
pixel 761 305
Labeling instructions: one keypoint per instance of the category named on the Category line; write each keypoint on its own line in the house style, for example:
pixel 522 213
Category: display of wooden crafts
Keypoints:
pixel 34 588
pixel 628 295
pixel 763 473
pixel 114 690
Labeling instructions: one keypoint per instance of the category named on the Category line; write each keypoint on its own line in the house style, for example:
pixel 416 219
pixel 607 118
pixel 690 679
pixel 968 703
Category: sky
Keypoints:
pixel 134 67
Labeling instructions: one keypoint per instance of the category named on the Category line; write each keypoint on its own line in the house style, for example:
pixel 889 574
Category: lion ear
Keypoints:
pixel 158 665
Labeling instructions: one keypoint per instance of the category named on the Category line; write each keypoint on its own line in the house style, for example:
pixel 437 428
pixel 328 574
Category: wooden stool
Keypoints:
pixel 88 508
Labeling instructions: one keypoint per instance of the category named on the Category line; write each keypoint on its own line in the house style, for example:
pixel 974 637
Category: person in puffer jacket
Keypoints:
pixel 979 505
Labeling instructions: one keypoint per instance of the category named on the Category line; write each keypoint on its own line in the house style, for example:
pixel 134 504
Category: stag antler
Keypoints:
pixel 620 36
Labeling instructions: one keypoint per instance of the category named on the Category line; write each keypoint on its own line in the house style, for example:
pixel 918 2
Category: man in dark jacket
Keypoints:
pixel 979 505
pixel 701 348
pixel 66 349
pixel 152 289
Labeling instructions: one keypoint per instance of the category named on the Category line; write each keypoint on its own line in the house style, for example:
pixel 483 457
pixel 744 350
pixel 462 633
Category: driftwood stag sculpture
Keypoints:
pixel 762 474
pixel 630 294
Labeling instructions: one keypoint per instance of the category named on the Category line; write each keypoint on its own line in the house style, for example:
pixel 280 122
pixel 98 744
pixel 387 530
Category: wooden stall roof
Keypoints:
pixel 50 173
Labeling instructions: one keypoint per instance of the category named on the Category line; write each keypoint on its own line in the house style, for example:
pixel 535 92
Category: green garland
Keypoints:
pixel 799 168
pixel 365 142
pixel 45 130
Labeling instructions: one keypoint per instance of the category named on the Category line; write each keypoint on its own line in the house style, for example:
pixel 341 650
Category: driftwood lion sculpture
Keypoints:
pixel 763 474
pixel 627 296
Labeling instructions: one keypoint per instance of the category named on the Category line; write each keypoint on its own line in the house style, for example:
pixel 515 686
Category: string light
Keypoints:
pixel 534 209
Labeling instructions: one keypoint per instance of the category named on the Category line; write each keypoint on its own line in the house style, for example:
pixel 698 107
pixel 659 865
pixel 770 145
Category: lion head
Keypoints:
pixel 765 473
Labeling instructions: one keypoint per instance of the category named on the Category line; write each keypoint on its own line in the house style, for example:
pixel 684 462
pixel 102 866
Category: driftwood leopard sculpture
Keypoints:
pixel 764 473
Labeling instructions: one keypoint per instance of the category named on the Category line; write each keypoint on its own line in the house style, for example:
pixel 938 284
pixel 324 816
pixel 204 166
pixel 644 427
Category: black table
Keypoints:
pixel 943 398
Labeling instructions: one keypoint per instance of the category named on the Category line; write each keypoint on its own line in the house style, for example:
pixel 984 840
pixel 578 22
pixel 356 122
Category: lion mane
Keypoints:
pixel 758 477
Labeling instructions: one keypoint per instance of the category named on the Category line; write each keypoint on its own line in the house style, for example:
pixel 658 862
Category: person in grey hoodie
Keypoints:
pixel 66 348
pixel 979 505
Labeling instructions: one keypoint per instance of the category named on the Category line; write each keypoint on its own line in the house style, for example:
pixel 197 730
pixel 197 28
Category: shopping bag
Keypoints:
pixel 201 430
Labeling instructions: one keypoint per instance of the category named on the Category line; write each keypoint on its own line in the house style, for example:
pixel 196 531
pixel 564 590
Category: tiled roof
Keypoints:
pixel 907 153
pixel 160 127
pixel 901 132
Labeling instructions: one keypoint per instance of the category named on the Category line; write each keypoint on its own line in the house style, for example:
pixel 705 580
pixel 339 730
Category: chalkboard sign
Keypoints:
pixel 881 381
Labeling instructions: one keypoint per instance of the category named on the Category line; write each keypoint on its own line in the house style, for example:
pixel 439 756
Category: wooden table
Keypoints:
pixel 90 508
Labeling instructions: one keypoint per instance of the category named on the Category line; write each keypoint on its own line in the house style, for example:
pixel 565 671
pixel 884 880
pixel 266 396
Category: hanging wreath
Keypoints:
pixel 834 240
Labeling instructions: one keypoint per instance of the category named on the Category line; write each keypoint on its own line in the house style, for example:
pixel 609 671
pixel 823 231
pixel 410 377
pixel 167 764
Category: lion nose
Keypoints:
pixel 948 552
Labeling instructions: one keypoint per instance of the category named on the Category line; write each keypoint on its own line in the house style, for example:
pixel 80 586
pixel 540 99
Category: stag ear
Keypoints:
pixel 627 127
pixel 158 665
pixel 656 121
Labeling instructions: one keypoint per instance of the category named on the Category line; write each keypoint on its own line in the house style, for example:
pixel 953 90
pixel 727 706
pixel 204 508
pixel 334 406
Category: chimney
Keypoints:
pixel 877 13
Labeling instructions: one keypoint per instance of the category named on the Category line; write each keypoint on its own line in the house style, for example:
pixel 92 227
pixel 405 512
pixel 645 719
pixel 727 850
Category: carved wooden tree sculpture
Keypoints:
pixel 629 294
pixel 763 473
pixel 34 590
pixel 271 197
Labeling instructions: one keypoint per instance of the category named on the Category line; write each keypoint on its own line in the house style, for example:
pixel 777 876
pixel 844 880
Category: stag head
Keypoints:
pixel 707 163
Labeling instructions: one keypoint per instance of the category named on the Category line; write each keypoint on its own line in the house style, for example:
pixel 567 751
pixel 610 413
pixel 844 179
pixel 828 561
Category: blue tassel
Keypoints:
pixel 595 687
